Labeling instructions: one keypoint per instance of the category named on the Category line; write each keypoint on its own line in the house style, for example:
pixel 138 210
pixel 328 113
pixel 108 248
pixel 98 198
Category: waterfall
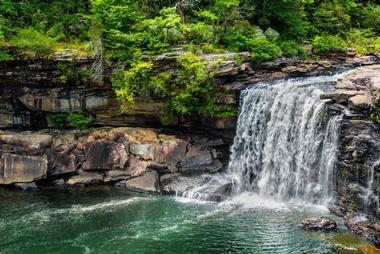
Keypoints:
pixel 285 142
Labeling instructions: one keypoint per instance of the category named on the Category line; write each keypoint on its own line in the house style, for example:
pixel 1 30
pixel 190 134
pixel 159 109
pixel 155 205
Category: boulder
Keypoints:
pixel 148 182
pixel 21 169
pixel 199 161
pixel 318 224
pixel 85 179
pixel 171 153
pixel 359 102
pixel 61 163
pixel 138 167
pixel 105 155
pixel 145 151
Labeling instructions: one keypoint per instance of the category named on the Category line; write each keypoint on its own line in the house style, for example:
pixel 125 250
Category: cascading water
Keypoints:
pixel 284 148
pixel 285 144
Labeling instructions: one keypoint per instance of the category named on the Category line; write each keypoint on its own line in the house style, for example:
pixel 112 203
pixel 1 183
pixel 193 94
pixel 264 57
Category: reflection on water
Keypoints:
pixel 103 220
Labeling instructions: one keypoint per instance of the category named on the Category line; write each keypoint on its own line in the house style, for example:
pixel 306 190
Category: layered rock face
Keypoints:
pixel 134 158
pixel 357 176
pixel 33 90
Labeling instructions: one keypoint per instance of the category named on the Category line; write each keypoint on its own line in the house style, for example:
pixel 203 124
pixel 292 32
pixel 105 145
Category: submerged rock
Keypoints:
pixel 318 224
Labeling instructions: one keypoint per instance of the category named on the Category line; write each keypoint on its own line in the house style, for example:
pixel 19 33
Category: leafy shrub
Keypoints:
pixel 370 17
pixel 79 120
pixel 262 49
pixel 58 120
pixel 190 89
pixel 128 84
pixel 328 43
pixel 363 40
pixel 291 49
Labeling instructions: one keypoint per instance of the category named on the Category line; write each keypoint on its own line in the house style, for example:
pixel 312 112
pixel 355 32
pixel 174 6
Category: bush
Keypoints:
pixel 328 43
pixel 292 49
pixel 262 49
pixel 58 120
pixel 79 120
pixel 128 84
pixel 370 17
pixel 363 40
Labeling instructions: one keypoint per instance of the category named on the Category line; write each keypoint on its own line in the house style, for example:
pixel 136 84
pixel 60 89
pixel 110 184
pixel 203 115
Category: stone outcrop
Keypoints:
pixel 319 224
pixel 357 176
pixel 135 158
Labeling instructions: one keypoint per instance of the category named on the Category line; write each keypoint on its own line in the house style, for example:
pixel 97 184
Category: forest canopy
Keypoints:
pixel 126 31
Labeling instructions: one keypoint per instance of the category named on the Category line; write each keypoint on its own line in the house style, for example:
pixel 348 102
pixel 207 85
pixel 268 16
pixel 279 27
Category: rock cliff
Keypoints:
pixel 357 176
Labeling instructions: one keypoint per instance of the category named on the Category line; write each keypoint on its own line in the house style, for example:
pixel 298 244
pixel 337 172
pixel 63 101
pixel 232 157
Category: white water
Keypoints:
pixel 284 148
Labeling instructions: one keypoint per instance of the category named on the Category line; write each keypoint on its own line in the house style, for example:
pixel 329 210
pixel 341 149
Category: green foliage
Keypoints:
pixel 364 41
pixel 33 40
pixel 190 90
pixel 128 84
pixel 328 43
pixel 292 49
pixel 79 120
pixel 263 50
pixel 58 120
pixel 370 17
pixel 130 32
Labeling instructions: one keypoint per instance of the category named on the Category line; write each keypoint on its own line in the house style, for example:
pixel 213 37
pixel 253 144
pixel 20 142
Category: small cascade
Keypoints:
pixel 285 143
pixel 369 190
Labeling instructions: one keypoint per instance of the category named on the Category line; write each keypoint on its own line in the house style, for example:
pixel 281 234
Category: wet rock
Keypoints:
pixel 85 179
pixel 149 182
pixel 167 180
pixel 21 169
pixel 364 226
pixel 318 224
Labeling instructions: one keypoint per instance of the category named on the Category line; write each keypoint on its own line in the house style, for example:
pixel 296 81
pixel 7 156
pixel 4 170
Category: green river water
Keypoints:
pixel 107 220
